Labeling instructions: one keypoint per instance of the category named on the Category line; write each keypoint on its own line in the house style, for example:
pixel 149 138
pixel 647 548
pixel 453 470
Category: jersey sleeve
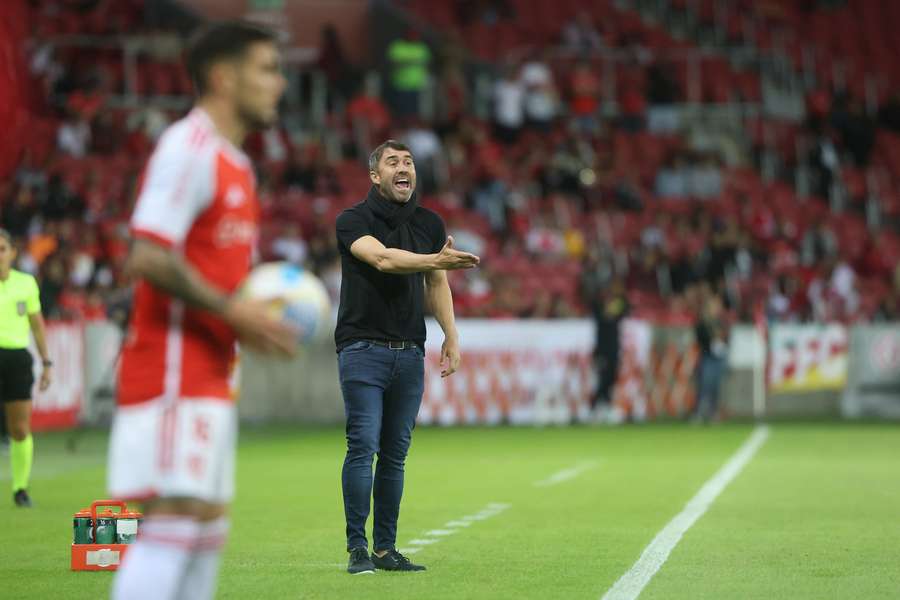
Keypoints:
pixel 177 186
pixel 33 303
pixel 350 227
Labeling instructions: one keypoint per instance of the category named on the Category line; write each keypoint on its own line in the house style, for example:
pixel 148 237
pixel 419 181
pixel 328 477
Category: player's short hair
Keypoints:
pixel 218 42
pixel 376 154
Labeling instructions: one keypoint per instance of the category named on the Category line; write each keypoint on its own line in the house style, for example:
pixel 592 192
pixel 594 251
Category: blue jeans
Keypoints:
pixel 709 384
pixel 382 391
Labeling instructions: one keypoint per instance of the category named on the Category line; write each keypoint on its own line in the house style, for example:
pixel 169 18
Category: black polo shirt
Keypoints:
pixel 376 305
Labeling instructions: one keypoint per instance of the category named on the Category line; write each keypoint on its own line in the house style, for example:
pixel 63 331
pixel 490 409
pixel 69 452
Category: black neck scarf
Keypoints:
pixel 392 213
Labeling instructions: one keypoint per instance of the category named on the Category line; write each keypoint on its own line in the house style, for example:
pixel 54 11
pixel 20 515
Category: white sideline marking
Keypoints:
pixel 631 584
pixel 478 517
pixel 566 474
pixel 424 542
pixel 436 535
pixel 457 523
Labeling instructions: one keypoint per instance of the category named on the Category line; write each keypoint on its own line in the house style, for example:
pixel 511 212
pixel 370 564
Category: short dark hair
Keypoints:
pixel 227 40
pixel 375 156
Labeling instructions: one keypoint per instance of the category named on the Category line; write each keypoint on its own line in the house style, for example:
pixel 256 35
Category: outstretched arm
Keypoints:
pixel 440 300
pixel 401 262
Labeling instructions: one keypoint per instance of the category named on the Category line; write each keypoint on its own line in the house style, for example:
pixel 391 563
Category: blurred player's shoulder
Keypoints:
pixel 191 135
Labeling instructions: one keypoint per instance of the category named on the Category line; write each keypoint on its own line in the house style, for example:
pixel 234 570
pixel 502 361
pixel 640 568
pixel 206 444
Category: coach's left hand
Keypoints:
pixel 450 356
pixel 45 379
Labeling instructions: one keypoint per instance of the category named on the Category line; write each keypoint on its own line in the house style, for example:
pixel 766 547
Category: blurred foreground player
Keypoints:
pixel 195 224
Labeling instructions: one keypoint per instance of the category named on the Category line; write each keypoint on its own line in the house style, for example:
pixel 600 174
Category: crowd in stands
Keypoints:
pixel 562 200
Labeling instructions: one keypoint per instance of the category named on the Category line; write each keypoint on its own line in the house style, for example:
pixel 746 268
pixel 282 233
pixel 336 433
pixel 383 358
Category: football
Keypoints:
pixel 293 295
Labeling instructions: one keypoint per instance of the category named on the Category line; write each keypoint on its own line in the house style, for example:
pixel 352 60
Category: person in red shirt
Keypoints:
pixel 195 225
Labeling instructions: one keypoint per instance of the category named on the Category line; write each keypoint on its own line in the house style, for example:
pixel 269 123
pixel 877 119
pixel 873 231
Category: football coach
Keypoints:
pixel 395 256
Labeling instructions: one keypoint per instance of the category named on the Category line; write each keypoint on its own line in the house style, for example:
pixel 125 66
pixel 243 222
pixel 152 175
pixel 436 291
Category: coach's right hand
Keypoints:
pixel 257 330
pixel 449 259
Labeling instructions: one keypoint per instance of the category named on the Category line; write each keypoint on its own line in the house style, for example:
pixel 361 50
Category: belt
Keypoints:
pixel 394 344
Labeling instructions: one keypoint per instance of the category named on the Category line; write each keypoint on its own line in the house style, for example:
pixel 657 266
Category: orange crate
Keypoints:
pixel 97 557
pixel 100 557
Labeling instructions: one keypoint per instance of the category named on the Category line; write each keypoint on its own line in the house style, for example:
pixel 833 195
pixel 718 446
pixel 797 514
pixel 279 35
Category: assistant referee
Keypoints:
pixel 20 312
pixel 394 258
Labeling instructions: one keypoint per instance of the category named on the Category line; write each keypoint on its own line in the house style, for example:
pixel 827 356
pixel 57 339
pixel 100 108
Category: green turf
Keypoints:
pixel 816 514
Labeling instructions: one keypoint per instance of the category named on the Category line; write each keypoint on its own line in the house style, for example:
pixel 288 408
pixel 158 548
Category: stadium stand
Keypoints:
pixel 566 143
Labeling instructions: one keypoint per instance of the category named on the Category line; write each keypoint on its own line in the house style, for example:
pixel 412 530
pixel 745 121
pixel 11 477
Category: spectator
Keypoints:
pixel 276 145
pixel 858 133
pixel 290 246
pixel 543 240
pixel 662 92
pixel 627 192
pixel 106 137
pixel 584 105
pixel 409 59
pixel 541 96
pixel 428 152
pixel 60 202
pixel 18 214
pixel 150 122
pixel 369 117
pixel 466 239
pixel 632 109
pixel 509 107
pixel 672 178
pixel 74 136
pixel 53 282
pixel 705 178
pixel 453 96
pixel 825 163
pixel 332 61
pixel 579 35
pixel 44 243
pixel 818 244
pixel 303 170
pixel 653 236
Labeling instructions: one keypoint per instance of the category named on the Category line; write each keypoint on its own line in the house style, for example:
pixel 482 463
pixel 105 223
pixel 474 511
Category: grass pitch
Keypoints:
pixel 522 513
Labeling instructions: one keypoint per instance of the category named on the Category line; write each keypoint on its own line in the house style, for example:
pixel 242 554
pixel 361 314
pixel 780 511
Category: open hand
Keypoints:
pixel 449 259
pixel 46 379
pixel 450 357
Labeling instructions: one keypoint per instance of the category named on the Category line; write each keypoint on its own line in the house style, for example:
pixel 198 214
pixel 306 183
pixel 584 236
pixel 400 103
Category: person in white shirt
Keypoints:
pixel 541 96
pixel 74 137
pixel 509 107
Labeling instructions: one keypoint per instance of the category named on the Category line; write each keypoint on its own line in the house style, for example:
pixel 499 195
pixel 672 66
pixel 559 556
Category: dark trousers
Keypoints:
pixel 382 391
pixel 607 363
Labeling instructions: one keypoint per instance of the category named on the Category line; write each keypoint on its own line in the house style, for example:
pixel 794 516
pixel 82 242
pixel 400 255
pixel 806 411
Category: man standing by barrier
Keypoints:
pixel 711 333
pixel 394 255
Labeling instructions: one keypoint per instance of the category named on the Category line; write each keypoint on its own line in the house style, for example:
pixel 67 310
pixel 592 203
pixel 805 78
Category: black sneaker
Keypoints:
pixel 360 563
pixel 21 499
pixel 394 561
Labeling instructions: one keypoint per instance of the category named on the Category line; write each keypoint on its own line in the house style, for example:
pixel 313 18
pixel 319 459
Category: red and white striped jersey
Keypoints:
pixel 197 196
